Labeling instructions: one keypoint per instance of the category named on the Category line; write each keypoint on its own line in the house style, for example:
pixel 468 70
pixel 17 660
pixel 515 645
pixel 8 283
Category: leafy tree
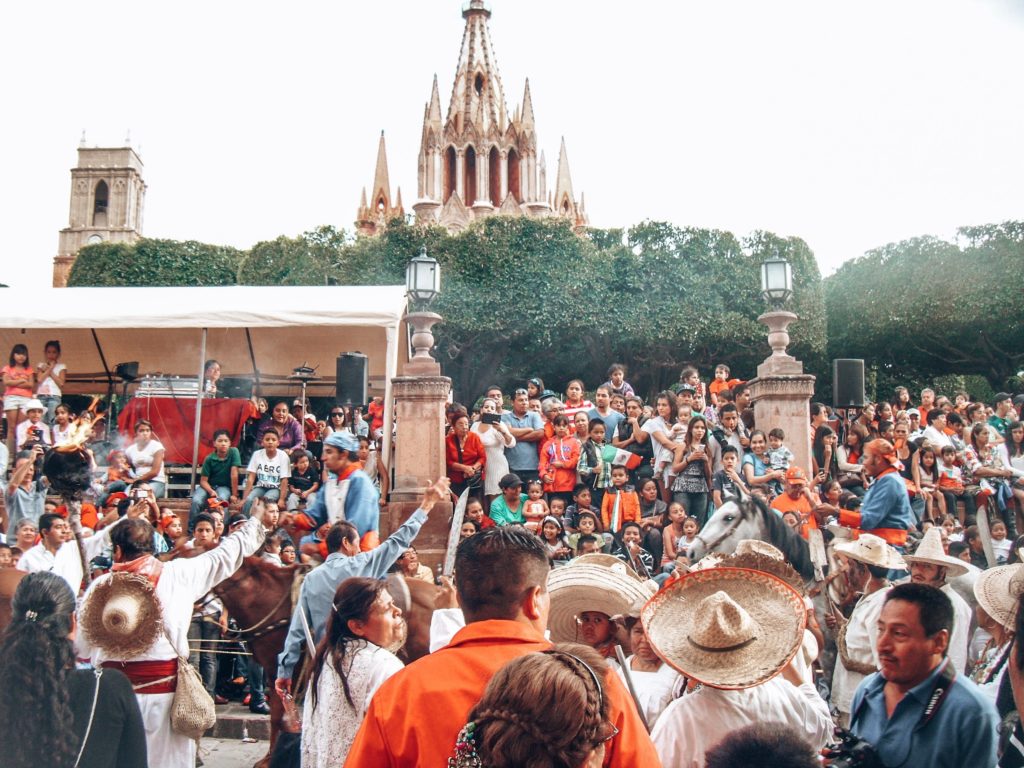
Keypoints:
pixel 926 307
pixel 308 259
pixel 151 262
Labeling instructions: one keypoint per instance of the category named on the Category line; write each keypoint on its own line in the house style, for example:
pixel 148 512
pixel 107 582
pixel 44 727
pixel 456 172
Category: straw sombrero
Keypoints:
pixel 766 563
pixel 605 561
pixel 757 547
pixel 121 616
pixel 872 550
pixel 728 628
pixel 998 591
pixel 582 587
pixel 930 551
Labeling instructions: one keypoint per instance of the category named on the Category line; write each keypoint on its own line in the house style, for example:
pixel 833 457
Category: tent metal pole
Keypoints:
pixel 199 413
pixel 252 359
pixel 110 382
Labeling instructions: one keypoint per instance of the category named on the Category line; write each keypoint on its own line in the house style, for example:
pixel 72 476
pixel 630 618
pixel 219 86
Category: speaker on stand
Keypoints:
pixel 351 382
pixel 848 383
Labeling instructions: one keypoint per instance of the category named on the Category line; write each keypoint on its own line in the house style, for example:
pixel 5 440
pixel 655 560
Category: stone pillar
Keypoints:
pixel 460 172
pixel 504 174
pixel 781 392
pixel 421 394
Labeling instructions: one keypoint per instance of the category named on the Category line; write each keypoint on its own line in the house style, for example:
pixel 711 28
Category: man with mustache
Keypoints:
pixel 918 710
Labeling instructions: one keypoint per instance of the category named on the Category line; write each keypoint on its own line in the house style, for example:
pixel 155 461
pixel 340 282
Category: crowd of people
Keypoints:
pixel 585 620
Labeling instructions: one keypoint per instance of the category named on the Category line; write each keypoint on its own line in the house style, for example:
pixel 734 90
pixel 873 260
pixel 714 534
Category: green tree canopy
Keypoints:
pixel 926 307
pixel 149 262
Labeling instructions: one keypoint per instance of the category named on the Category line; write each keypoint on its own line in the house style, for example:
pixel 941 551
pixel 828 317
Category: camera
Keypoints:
pixel 490 418
pixel 851 752
pixel 140 493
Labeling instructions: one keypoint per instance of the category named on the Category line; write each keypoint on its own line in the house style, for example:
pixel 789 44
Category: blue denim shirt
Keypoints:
pixel 961 734
pixel 317 594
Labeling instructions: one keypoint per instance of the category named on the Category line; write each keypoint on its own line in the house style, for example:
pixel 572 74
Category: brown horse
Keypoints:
pixel 259 598
pixel 9 580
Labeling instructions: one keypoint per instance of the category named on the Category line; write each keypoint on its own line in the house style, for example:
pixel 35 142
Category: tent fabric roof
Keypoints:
pixel 203 307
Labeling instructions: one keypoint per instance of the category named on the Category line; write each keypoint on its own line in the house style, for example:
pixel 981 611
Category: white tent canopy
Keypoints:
pixel 270 330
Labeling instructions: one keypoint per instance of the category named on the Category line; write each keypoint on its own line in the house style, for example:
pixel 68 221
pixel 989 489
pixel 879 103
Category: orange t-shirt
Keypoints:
pixel 801 506
pixel 398 732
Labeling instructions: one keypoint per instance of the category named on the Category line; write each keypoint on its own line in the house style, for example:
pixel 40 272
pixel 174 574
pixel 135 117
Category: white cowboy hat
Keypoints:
pixel 930 551
pixel 728 628
pixel 998 591
pixel 870 549
pixel 121 615
pixel 578 588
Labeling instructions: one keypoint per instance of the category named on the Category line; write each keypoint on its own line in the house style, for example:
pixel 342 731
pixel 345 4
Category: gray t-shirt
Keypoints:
pixel 523 455
pixel 25 503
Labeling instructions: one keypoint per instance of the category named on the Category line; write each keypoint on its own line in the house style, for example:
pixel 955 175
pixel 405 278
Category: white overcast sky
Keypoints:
pixel 848 124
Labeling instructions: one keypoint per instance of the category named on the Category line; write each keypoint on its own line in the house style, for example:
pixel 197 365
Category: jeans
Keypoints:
pixel 199 497
pixel 200 633
pixel 267 494
pixel 50 402
pixel 970 506
pixel 256 681
pixel 695 504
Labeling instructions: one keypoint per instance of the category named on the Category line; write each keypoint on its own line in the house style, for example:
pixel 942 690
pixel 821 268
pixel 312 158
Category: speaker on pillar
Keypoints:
pixel 848 383
pixel 351 379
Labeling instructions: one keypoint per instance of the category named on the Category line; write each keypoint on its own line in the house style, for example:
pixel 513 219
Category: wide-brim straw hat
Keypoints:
pixel 766 563
pixel 998 591
pixel 606 561
pixel 758 547
pixel 930 551
pixel 728 628
pixel 872 550
pixel 581 587
pixel 121 616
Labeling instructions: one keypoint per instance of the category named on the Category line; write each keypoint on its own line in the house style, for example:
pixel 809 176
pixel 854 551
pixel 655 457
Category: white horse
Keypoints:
pixel 747 517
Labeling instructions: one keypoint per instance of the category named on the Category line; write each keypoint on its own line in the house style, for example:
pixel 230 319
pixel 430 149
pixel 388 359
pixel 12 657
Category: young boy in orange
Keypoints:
pixel 558 459
pixel 628 500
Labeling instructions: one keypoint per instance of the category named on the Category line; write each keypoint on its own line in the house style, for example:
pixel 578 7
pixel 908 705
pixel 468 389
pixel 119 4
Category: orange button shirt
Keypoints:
pixel 801 506
pixel 416 715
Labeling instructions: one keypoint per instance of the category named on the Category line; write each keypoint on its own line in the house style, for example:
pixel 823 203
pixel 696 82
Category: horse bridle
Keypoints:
pixel 729 531
pixel 261 627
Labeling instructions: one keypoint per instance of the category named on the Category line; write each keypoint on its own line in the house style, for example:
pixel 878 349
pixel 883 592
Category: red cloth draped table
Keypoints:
pixel 174 418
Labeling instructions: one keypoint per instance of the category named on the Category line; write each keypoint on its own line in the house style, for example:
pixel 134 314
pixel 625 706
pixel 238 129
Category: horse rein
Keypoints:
pixel 262 627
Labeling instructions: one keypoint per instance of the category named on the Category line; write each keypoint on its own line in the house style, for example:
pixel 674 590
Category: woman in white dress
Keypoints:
pixel 355 656
pixel 496 438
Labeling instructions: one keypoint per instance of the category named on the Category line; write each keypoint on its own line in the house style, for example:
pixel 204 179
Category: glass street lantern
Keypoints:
pixel 423 278
pixel 776 281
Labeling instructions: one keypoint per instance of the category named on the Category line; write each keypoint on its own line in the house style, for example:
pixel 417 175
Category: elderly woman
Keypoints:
pixel 495 437
pixel 288 428
pixel 356 655
pixel 465 457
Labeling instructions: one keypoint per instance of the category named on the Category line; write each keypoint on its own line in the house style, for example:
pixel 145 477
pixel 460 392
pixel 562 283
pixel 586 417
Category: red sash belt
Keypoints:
pixel 148 676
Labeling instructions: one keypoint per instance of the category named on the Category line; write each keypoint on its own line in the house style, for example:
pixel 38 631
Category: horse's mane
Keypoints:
pixel 784 538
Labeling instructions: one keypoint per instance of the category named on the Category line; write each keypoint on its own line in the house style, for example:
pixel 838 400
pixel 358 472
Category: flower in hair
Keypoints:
pixel 465 749
pixel 31 615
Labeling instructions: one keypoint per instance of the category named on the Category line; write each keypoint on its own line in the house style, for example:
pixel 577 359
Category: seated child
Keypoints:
pixel 727 481
pixel 556 508
pixel 475 514
pixel 5 556
pixel 554 539
pixel 304 480
pixel 678 534
pixel 535 509
pixel 1002 547
pixel 951 478
pixel 287 553
pixel 588 544
pixel 632 553
pixel 589 528
pixel 722 381
pixel 581 502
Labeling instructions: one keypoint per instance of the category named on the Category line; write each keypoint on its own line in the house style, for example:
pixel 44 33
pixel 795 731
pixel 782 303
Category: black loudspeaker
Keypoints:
pixel 848 383
pixel 352 378
pixel 127 371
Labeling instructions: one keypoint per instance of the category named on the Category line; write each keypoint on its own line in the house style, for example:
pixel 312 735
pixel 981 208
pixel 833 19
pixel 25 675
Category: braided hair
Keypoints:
pixel 543 710
pixel 36 658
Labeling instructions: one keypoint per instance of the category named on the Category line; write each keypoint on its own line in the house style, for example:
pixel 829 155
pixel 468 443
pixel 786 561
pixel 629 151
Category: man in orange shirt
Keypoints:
pixel 416 715
pixel 799 499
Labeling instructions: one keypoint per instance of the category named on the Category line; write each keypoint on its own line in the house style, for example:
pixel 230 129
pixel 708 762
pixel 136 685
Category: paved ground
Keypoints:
pixel 231 753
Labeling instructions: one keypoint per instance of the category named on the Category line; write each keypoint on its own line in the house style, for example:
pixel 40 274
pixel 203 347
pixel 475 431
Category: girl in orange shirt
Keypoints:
pixel 558 459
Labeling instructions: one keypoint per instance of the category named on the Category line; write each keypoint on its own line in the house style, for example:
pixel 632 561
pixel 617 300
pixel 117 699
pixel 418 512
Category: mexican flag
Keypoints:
pixel 615 456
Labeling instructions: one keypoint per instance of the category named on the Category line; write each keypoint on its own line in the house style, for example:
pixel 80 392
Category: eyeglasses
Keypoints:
pixel 520 392
pixel 337 413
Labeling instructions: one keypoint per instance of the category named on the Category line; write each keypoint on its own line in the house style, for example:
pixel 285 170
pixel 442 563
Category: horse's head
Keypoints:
pixel 737 519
